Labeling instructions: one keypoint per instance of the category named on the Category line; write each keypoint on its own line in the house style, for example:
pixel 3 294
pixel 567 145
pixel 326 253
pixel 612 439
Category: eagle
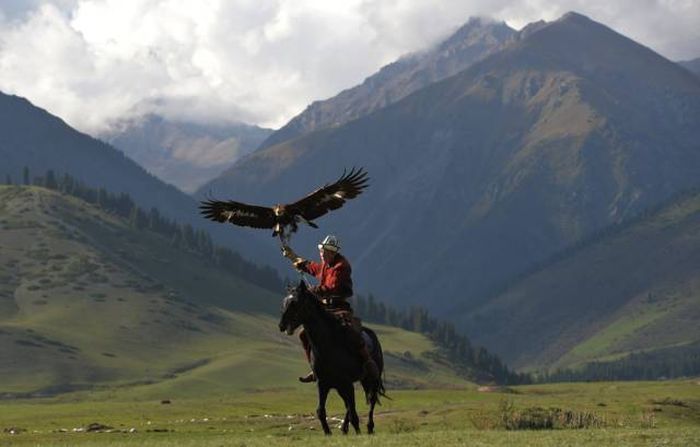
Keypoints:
pixel 284 220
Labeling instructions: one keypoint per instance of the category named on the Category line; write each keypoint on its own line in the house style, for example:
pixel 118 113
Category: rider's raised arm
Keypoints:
pixel 300 263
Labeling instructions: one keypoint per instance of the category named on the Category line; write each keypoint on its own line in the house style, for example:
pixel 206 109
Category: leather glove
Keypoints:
pixel 298 263
pixel 288 253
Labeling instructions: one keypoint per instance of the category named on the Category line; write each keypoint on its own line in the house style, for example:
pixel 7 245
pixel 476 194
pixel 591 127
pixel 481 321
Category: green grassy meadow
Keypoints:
pixel 631 413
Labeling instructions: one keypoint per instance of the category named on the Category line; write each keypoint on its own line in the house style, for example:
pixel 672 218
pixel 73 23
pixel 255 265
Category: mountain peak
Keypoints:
pixel 477 30
pixel 573 16
pixel 473 41
pixel 580 44
pixel 477 24
pixel 569 21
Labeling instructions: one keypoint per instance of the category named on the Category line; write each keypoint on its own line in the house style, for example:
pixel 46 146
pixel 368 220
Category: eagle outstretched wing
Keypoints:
pixel 333 196
pixel 283 219
pixel 238 213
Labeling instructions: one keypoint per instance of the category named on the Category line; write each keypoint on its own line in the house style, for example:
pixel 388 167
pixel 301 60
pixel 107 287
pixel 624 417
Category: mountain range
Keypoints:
pixel 473 41
pixel 569 128
pixel 184 154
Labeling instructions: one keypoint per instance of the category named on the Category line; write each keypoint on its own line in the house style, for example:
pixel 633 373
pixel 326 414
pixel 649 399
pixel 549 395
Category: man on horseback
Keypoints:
pixel 334 288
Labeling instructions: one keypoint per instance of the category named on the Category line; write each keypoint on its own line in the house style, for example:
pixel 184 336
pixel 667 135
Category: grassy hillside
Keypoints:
pixel 635 289
pixel 88 302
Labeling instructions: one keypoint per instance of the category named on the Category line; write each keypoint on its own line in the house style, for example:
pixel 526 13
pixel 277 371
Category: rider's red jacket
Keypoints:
pixel 334 280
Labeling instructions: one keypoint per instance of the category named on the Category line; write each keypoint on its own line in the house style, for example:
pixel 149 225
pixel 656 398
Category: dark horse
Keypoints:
pixel 332 359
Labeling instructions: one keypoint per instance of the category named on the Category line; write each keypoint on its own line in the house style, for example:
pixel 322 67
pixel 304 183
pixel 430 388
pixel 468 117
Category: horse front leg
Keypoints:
pixel 347 393
pixel 321 410
pixel 346 423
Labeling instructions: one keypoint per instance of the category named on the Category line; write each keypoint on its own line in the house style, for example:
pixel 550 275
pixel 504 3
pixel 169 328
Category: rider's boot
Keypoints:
pixel 310 377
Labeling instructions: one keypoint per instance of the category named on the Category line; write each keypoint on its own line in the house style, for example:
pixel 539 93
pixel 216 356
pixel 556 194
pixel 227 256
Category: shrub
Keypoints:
pixel 538 418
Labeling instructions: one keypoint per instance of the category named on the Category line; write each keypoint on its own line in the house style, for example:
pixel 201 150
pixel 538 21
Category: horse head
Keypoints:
pixel 295 307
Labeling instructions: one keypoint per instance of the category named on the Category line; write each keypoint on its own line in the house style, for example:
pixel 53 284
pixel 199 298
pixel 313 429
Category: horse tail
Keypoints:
pixel 375 388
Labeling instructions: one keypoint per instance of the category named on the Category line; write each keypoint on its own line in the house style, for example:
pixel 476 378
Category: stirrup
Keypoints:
pixel 310 377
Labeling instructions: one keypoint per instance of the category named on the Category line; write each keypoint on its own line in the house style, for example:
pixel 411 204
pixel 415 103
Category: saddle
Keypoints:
pixel 340 309
pixel 358 339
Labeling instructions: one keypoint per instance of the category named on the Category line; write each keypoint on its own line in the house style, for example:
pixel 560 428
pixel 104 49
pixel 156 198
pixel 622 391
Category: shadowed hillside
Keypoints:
pixel 635 288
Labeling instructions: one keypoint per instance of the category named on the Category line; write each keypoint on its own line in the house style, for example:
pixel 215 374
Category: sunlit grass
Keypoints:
pixel 634 413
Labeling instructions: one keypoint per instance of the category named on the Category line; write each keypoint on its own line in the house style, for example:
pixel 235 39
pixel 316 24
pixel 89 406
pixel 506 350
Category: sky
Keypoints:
pixel 95 62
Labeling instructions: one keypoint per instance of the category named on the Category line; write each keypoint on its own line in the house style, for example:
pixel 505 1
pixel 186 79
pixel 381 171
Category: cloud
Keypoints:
pixel 17 10
pixel 95 61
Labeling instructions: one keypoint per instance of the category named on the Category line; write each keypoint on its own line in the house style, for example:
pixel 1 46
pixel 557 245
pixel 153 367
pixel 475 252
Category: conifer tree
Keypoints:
pixel 50 181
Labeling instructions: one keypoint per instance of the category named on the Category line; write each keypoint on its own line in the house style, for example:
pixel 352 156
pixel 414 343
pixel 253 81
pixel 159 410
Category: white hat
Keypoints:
pixel 330 243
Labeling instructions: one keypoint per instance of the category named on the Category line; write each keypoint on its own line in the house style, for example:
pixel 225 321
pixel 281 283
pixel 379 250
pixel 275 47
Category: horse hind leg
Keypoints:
pixel 370 418
pixel 321 410
pixel 371 391
pixel 374 388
